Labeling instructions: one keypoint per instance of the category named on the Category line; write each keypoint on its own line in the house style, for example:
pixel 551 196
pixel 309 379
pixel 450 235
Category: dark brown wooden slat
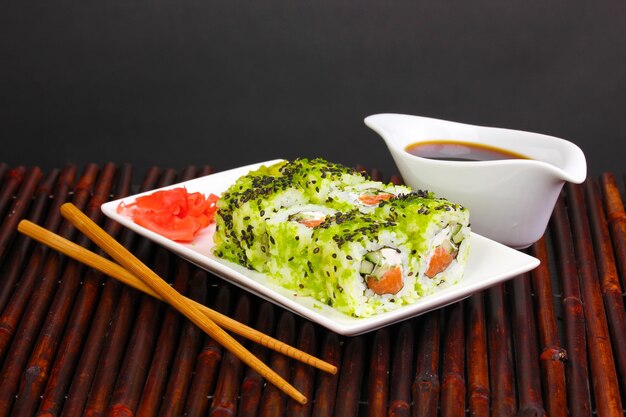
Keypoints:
pixel 113 348
pixel 453 390
pixel 608 275
pixel 207 364
pixel 13 267
pixel 378 381
pixel 188 349
pixel 141 346
pixel 165 348
pixel 477 357
pixel 12 180
pixel 125 315
pixel 95 342
pixel 402 371
pixel 226 393
pixel 273 400
pixel 616 217
pixel 37 308
pixel 376 174
pixel 326 385
pixel 14 310
pixel 40 361
pixel 552 357
pixel 396 179
pixel 426 386
pixel 18 209
pixel 81 315
pixel 578 384
pixel 525 342
pixel 605 384
pixel 303 375
pixel 351 376
pixel 4 167
pixel 503 401
pixel 252 385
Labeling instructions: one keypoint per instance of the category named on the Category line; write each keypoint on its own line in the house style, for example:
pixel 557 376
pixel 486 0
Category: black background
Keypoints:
pixel 175 83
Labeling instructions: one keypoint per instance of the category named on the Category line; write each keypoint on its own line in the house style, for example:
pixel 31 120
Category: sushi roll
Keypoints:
pixel 438 231
pixel 320 178
pixel 331 233
pixel 364 264
pixel 243 211
pixel 290 234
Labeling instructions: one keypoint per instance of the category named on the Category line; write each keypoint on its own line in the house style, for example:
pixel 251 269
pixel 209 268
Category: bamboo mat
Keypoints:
pixel 73 342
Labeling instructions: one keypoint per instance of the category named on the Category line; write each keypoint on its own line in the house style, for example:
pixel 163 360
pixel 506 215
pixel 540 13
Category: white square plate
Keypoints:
pixel 489 263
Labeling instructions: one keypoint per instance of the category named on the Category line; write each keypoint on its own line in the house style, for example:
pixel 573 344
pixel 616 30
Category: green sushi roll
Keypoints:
pixel 329 232
pixel 438 230
pixel 243 211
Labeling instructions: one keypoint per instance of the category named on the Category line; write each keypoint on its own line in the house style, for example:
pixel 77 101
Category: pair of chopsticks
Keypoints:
pixel 133 272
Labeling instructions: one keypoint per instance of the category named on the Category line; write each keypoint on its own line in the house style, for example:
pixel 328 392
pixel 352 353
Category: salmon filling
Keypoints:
pixel 308 218
pixel 373 196
pixel 382 271
pixel 442 257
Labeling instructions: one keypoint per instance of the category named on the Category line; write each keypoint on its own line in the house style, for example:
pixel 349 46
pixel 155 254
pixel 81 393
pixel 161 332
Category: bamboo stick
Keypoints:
pixel 608 275
pixel 616 217
pixel 188 349
pixel 503 401
pixel 376 174
pixel 303 376
pixel 395 179
pixel 426 386
pixel 552 357
pixel 4 167
pixel 402 371
pixel 273 402
pixel 37 308
pixel 112 352
pixel 378 382
pixel 208 362
pixel 605 384
pixel 231 370
pixel 350 381
pixel 96 339
pixel 326 385
pixel 12 180
pixel 579 401
pixel 453 390
pixel 252 385
pixel 18 209
pixel 165 348
pixel 132 375
pixel 477 357
pixel 13 267
pixel 525 342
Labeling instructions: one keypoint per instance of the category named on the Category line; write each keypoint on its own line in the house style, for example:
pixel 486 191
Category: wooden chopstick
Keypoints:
pixel 114 270
pixel 118 252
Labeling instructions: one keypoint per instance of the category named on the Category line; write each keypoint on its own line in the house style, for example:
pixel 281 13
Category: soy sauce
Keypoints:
pixel 450 150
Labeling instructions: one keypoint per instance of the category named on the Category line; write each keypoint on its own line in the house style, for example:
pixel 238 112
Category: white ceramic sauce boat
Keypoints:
pixel 511 200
